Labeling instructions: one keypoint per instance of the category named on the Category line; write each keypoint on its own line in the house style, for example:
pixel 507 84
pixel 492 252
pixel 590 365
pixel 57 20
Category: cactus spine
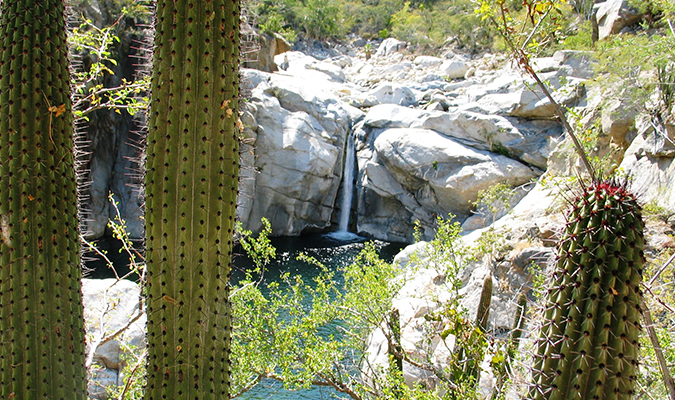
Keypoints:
pixel 191 186
pixel 41 316
pixel 588 345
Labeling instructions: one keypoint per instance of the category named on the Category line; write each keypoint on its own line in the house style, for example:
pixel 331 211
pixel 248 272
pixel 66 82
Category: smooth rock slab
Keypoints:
pixel 389 93
pixel 108 306
pixel 414 174
pixel 300 129
pixel 650 163
pixel 454 172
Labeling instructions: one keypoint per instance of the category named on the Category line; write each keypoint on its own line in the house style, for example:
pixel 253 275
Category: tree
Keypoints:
pixel 191 186
pixel 319 332
pixel 41 322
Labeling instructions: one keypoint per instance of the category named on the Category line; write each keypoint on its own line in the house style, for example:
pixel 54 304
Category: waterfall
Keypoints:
pixel 347 185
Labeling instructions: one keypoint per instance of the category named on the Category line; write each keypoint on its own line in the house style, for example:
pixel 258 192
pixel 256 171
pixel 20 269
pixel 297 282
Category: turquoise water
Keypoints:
pixel 334 251
pixel 271 389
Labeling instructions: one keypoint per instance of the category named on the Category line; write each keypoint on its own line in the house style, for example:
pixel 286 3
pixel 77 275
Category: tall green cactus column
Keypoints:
pixel 588 345
pixel 41 316
pixel 191 186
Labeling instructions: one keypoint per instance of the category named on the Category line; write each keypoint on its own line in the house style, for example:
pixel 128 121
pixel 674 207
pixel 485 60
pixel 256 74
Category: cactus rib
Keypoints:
pixel 191 187
pixel 41 315
pixel 588 344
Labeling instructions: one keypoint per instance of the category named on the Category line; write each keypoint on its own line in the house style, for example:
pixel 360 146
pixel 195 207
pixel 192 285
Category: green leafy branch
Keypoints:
pixel 89 94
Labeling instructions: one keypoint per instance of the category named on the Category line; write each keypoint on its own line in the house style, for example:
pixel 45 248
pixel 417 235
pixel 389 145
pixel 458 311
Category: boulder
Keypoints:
pixel 389 46
pixel 293 60
pixel 393 116
pixel 613 16
pixel 268 47
pixel 333 70
pixel 454 69
pixel 428 61
pixel 649 161
pixel 569 62
pixel 530 141
pixel 618 119
pixel 109 305
pixel 389 93
pixel 413 173
pixel 480 131
pixel 527 100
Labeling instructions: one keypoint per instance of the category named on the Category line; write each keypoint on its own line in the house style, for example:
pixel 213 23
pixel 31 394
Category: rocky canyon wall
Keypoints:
pixel 430 133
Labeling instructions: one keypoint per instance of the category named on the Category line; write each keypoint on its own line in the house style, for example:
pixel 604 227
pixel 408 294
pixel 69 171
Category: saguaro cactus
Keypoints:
pixel 41 322
pixel 588 344
pixel 191 186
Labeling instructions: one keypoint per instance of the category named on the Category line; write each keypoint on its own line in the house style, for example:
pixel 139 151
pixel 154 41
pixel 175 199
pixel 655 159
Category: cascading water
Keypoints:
pixel 347 186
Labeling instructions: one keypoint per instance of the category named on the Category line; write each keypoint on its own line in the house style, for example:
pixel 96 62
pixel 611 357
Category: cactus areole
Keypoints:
pixel 191 186
pixel 588 344
pixel 41 316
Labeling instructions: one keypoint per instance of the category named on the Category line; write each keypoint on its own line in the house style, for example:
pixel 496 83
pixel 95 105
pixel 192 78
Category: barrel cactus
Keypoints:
pixel 41 315
pixel 588 344
pixel 191 186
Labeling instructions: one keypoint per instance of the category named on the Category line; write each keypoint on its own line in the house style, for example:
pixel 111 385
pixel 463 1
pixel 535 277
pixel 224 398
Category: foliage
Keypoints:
pixel 320 19
pixel 489 246
pixel 307 332
pixel 259 249
pixel 275 23
pixel 627 62
pixel 425 23
pixel 89 94
pixel 652 210
pixel 315 18
pixel 660 299
pixel 434 24
pixel 527 32
pixel 660 10
pixel 491 201
pixel 133 375
pixel 317 332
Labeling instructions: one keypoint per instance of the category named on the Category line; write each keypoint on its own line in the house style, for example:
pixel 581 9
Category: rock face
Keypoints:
pixel 527 233
pixel 268 46
pixel 112 163
pixel 429 141
pixel 431 132
pixel 425 146
pixel 416 174
pixel 110 305
pixel 649 161
pixel 613 16
pixel 426 288
pixel 300 133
